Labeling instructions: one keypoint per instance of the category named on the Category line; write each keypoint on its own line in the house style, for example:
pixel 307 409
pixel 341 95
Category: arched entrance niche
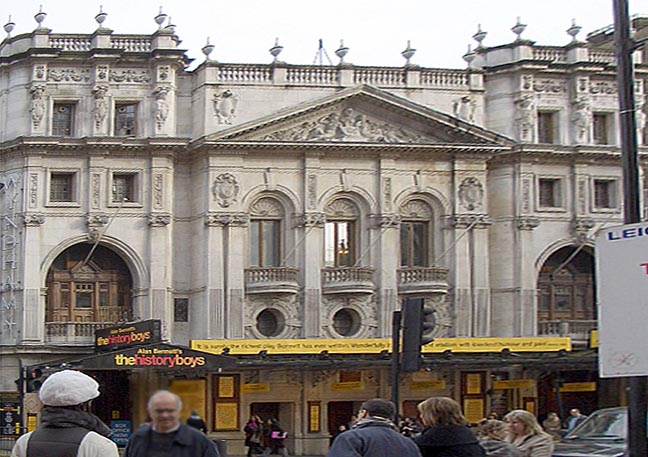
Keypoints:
pixel 97 288
pixel 566 286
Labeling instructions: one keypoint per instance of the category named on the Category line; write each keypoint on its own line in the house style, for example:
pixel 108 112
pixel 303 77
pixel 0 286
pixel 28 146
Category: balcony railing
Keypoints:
pixel 423 280
pixel 578 330
pixel 271 280
pixel 72 333
pixel 347 280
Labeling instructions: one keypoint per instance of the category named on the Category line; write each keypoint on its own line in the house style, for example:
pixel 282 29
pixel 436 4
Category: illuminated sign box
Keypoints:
pixel 128 335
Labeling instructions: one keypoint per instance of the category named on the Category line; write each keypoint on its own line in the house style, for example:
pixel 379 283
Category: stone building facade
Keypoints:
pixel 260 202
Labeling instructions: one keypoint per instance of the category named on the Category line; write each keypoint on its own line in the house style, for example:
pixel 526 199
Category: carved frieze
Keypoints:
pixel 227 219
pixel 311 219
pixel 225 189
pixel 386 220
pixel 464 221
pixel 387 193
pixel 33 219
pixel 527 222
pixel 158 183
pixel 68 75
pixel 130 76
pixel 549 86
pixel 159 220
pixel 603 88
pixel 312 191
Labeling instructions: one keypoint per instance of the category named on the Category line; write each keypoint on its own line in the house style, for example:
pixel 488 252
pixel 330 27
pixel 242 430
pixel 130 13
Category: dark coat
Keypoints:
pixel 188 442
pixel 449 441
pixel 373 438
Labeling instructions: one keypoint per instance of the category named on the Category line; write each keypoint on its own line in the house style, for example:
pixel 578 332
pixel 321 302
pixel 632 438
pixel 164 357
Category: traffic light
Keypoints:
pixel 34 379
pixel 418 320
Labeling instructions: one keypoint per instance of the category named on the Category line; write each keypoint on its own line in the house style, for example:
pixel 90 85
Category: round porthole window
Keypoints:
pixel 346 322
pixel 270 322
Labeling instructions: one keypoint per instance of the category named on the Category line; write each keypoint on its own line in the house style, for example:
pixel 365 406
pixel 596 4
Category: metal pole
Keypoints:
pixel 395 365
pixel 21 395
pixel 624 46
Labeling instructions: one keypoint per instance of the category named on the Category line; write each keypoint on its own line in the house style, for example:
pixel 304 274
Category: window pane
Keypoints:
pixel 545 127
pixel 603 194
pixel 600 129
pixel 123 188
pixel 254 243
pixel 419 245
pixel 270 243
pixel 345 256
pixel 61 187
pixel 549 192
pixel 404 244
pixel 125 119
pixel 62 119
pixel 339 244
pixel 329 244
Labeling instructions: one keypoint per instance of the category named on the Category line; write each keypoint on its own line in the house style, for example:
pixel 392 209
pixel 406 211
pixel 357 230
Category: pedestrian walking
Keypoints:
pixel 194 420
pixel 167 436
pixel 275 439
pixel 374 434
pixel 447 433
pixel 253 435
pixel 67 427
pixel 527 435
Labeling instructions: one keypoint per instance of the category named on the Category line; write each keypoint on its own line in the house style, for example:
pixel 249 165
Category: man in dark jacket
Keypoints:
pixel 167 436
pixel 374 434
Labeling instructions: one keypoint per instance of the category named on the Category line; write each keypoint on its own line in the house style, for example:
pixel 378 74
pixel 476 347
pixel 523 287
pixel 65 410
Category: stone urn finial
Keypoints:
pixel 573 30
pixel 408 53
pixel 518 29
pixel 160 18
pixel 276 50
pixel 341 51
pixel 469 56
pixel 479 36
pixel 170 27
pixel 207 49
pixel 101 17
pixel 9 26
pixel 40 17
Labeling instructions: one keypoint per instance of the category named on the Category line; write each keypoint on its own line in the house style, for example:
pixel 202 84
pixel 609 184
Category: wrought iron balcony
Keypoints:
pixel 578 330
pixel 423 280
pixel 259 280
pixel 347 280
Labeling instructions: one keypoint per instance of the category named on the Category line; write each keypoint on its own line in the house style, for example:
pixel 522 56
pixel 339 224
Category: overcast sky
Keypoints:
pixel 375 31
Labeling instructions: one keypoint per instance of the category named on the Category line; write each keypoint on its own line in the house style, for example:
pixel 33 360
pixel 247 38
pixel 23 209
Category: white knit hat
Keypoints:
pixel 68 388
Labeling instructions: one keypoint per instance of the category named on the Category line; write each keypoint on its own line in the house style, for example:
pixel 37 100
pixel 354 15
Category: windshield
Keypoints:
pixel 602 424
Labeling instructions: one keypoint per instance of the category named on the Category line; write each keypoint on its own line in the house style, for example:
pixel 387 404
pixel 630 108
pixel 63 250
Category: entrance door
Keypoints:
pixel 265 411
pixel 114 402
pixel 339 413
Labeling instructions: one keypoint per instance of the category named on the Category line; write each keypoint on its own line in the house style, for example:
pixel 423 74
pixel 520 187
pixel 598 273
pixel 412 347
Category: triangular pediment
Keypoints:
pixel 361 115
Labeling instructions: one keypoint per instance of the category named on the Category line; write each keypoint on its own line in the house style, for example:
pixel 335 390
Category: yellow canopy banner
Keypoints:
pixel 377 345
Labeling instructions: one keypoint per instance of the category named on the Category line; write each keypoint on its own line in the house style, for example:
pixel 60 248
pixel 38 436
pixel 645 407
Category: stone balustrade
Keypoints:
pixel 423 280
pixel 578 330
pixel 72 333
pixel 347 280
pixel 271 280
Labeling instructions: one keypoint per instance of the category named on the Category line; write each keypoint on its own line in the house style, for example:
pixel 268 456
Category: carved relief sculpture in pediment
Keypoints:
pixel 341 207
pixel 225 189
pixel 266 207
pixel 225 104
pixel 415 210
pixel 346 125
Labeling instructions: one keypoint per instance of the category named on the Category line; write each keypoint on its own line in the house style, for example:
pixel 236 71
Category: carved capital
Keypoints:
pixel 462 221
pixel 33 219
pixel 527 222
pixel 385 220
pixel 97 220
pixel 227 219
pixel 312 219
pixel 580 227
pixel 159 220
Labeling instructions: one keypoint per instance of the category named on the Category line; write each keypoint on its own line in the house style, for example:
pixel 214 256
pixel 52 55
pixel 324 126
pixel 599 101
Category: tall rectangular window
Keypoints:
pixel 546 127
pixel 414 245
pixel 600 128
pixel 123 187
pixel 125 119
pixel 339 249
pixel 62 187
pixel 265 243
pixel 549 193
pixel 604 194
pixel 63 119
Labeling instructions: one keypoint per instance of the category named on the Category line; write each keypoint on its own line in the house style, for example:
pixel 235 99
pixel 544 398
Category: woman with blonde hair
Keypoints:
pixel 527 435
pixel 446 432
pixel 492 437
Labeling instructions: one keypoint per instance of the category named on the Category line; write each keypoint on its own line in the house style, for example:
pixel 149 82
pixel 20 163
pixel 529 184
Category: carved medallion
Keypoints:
pixel 471 193
pixel 225 189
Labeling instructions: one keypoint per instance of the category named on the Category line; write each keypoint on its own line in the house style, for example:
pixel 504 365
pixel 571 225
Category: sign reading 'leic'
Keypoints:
pixel 622 281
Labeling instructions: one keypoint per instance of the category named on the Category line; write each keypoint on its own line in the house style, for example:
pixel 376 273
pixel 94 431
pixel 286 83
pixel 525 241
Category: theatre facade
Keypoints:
pixel 272 217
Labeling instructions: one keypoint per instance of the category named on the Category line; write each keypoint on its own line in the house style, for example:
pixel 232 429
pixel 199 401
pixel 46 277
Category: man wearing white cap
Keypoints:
pixel 67 428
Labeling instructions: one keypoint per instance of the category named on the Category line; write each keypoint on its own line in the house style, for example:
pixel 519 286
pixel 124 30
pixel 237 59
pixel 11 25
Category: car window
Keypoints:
pixel 602 425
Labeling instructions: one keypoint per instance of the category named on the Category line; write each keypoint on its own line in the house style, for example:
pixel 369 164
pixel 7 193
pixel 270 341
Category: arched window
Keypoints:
pixel 340 233
pixel 566 286
pixel 415 234
pixel 265 247
pixel 94 289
